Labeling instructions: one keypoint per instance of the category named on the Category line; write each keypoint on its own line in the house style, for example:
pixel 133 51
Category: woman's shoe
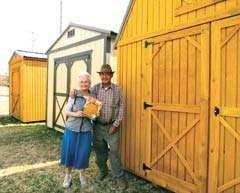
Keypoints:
pixel 67 181
pixel 83 178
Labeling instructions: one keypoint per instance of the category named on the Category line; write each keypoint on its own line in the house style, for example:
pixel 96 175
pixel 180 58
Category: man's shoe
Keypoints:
pixel 67 181
pixel 102 175
pixel 122 185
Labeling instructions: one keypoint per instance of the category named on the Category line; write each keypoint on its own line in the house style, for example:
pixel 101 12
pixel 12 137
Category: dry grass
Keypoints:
pixel 24 145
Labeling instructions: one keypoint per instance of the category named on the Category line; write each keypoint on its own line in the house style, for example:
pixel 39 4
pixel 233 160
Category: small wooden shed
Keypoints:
pixel 179 67
pixel 27 86
pixel 79 48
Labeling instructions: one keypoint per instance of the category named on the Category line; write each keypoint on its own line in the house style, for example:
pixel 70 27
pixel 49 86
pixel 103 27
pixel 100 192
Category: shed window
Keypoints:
pixel 71 33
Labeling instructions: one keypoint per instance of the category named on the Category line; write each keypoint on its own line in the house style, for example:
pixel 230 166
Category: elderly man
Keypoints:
pixel 106 131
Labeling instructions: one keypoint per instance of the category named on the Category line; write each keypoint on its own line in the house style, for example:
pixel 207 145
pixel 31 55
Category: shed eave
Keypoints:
pixel 10 60
pixel 102 31
pixel 34 58
pixel 27 55
pixel 123 22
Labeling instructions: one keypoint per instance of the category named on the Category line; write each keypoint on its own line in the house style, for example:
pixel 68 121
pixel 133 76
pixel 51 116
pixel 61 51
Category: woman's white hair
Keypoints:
pixel 85 74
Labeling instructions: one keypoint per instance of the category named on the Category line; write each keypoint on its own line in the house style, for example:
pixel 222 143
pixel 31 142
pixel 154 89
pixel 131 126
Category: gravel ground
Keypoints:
pixel 31 144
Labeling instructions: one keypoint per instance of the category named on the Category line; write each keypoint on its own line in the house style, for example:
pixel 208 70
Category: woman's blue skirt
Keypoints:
pixel 76 148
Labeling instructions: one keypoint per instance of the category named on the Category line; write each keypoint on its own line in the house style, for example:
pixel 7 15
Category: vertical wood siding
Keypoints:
pixel 224 134
pixel 178 87
pixel 190 41
pixel 160 16
pixel 34 103
pixel 28 80
pixel 133 137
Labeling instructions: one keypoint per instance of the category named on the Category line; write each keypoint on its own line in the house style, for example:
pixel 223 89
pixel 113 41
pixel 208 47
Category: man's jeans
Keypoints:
pixel 104 143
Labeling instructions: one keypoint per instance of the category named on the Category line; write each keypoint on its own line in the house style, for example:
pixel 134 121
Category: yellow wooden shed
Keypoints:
pixel 78 48
pixel 179 67
pixel 27 86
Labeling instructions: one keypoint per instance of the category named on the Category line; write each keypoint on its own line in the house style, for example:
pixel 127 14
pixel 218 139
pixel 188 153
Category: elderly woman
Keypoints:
pixel 76 144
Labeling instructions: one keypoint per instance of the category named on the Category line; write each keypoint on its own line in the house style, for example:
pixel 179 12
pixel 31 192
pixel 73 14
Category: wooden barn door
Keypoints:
pixel 65 73
pixel 176 109
pixel 15 93
pixel 224 159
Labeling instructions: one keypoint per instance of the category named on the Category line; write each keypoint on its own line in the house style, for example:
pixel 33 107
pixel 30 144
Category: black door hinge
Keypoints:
pixel 145 167
pixel 147 43
pixel 145 105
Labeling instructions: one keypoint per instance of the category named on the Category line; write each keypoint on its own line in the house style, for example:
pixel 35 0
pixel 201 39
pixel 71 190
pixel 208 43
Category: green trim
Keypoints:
pixel 68 61
pixel 69 64
pixel 60 94
pixel 107 48
pixel 92 39
pixel 86 56
pixel 59 126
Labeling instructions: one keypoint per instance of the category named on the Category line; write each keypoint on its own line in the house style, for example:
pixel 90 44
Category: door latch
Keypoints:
pixel 216 111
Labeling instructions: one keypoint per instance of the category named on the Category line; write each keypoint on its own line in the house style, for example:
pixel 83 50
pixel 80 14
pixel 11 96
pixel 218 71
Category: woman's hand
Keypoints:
pixel 80 114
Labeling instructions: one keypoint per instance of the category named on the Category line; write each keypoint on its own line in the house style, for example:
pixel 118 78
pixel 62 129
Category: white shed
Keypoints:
pixel 79 48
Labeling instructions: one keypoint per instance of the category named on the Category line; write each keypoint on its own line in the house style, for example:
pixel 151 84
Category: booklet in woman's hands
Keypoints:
pixel 92 107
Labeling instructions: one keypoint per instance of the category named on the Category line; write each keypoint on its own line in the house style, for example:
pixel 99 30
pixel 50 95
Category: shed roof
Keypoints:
pixel 124 21
pixel 31 54
pixel 28 54
pixel 102 31
pixel 108 32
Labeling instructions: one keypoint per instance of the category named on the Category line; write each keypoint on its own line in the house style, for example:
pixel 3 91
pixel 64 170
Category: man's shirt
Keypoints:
pixel 112 101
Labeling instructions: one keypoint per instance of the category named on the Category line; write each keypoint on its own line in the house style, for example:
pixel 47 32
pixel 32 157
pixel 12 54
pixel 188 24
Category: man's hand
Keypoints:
pixel 72 94
pixel 112 130
pixel 92 99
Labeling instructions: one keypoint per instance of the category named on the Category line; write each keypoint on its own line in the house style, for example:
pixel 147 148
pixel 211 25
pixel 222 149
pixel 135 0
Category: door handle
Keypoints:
pixel 216 111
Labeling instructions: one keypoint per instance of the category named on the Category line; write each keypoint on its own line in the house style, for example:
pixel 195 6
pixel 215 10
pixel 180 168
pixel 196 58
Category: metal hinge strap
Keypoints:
pixel 145 167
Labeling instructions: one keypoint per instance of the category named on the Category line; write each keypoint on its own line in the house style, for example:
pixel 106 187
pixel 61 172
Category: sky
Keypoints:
pixel 34 25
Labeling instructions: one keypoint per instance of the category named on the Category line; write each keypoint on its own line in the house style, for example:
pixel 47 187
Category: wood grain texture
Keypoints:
pixel 28 79
pixel 190 66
